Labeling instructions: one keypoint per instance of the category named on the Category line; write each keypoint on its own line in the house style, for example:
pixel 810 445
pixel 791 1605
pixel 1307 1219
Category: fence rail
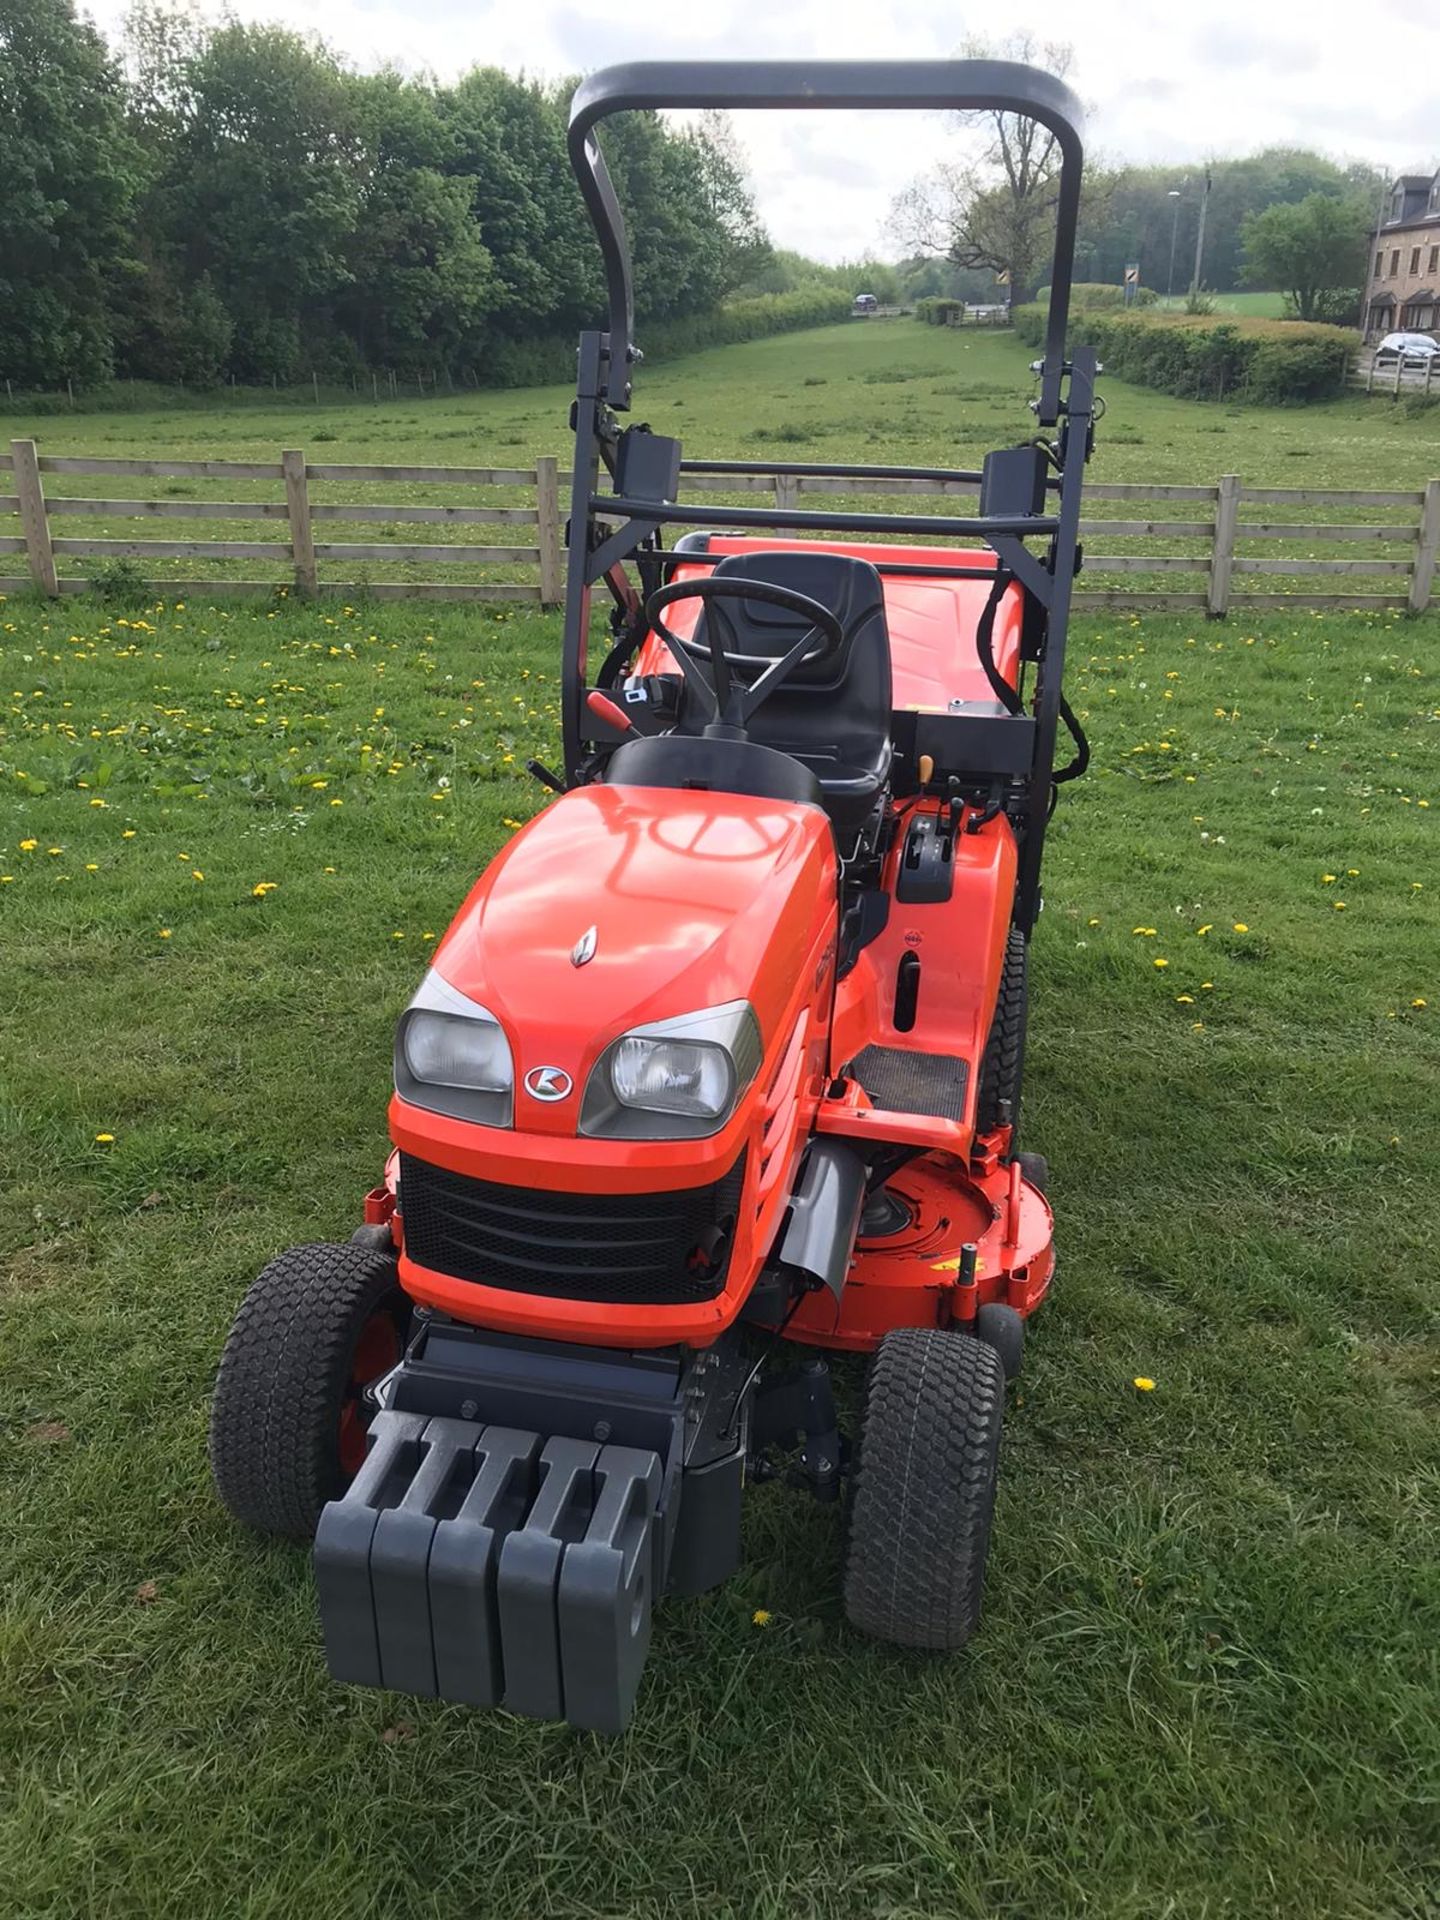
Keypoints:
pixel 1215 534
pixel 536 543
pixel 1395 375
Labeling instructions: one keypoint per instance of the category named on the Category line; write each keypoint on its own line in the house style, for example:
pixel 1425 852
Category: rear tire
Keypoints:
pixel 1000 1066
pixel 287 1423
pixel 923 1493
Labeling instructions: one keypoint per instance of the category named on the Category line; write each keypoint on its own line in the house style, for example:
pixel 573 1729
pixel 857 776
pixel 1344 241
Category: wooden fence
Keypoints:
pixel 1394 376
pixel 1135 535
pixel 538 524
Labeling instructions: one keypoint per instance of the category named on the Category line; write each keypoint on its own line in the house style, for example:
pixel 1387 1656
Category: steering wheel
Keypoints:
pixel 725 694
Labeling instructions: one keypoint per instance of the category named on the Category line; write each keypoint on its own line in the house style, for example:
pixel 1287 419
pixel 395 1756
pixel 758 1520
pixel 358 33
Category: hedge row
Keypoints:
pixel 1198 357
pixel 1089 296
pixel 546 360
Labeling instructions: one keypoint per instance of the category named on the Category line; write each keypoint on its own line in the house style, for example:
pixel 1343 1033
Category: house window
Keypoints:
pixel 1379 265
pixel 1394 262
pixel 1434 266
pixel 1414 260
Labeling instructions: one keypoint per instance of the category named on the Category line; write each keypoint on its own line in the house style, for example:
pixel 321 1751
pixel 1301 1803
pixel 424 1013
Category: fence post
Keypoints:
pixel 34 523
pixel 1399 365
pixel 787 492
pixel 1423 573
pixel 302 539
pixel 549 533
pixel 1222 554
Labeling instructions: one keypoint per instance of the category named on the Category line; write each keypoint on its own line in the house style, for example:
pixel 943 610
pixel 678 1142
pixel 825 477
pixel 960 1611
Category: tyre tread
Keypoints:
pixel 923 1490
pixel 274 1421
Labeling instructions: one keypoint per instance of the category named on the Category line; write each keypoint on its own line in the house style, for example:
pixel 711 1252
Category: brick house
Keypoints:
pixel 1403 291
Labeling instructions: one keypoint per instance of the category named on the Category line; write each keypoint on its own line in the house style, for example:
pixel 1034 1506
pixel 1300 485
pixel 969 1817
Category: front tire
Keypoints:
pixel 923 1494
pixel 287 1428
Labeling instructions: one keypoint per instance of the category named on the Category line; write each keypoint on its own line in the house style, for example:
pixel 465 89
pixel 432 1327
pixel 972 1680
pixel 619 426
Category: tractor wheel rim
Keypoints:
pixel 377 1349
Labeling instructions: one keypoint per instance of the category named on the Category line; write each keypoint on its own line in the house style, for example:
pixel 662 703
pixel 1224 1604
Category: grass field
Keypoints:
pixel 861 392
pixel 892 390
pixel 1206 1683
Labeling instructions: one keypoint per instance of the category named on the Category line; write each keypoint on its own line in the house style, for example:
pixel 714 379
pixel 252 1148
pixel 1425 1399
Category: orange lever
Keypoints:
pixel 604 708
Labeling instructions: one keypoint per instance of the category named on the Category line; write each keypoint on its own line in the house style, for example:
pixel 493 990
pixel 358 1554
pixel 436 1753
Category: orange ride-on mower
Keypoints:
pixel 723 1051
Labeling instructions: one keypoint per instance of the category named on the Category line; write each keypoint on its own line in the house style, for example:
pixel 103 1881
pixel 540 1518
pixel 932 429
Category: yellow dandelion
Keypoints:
pixel 1160 963
pixel 196 874
pixel 128 834
pixel 1327 879
pixel 28 846
pixel 1339 906
pixel 1144 1384
pixel 104 1139
pixel 1207 928
pixel 760 1617
pixel 1240 927
pixel 164 933
pixel 1184 999
pixel 1418 1004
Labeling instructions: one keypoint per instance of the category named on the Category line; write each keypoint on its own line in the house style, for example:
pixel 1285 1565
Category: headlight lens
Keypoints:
pixel 452 1056
pixel 674 1079
pixel 673 1076
pixel 446 1052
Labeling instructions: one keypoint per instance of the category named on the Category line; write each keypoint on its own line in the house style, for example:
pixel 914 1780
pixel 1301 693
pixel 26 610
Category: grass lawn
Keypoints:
pixel 885 390
pixel 880 390
pixel 1206 1683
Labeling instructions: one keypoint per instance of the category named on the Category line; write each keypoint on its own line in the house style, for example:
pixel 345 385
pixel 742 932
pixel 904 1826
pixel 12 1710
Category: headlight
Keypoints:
pixel 675 1079
pixel 673 1076
pixel 444 1051
pixel 452 1056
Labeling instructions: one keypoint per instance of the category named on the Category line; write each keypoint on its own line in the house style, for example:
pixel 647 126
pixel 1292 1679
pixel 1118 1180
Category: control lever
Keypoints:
pixel 604 708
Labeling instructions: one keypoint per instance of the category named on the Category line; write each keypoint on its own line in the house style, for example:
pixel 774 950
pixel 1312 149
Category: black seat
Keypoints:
pixel 832 715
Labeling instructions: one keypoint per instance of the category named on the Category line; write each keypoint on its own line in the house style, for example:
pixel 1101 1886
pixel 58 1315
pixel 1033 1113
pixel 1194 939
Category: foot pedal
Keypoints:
pixel 902 1081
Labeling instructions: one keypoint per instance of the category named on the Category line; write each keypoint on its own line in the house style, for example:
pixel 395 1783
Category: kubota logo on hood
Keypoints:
pixel 548 1083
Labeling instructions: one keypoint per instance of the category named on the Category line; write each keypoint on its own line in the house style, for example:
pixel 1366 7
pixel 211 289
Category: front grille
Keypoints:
pixel 657 1249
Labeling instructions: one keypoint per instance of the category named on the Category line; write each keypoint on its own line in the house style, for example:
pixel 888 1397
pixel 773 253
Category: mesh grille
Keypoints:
pixel 660 1249
pixel 904 1082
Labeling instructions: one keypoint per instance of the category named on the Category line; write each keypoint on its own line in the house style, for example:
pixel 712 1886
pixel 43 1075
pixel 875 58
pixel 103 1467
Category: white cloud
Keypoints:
pixel 1162 81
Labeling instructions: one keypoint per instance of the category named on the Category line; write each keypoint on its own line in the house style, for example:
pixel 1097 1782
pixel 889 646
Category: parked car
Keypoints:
pixel 866 303
pixel 1411 349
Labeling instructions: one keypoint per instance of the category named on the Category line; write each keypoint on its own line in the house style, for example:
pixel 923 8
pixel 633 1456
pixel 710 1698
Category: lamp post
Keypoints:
pixel 1174 194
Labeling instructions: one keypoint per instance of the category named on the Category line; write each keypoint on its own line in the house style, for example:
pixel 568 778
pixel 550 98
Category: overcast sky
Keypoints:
pixel 1169 81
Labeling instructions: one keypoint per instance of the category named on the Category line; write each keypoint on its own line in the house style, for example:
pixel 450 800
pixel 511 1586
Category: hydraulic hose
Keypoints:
pixel 985 646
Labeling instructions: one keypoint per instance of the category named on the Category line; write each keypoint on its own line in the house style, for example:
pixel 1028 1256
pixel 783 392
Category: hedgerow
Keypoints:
pixel 1204 357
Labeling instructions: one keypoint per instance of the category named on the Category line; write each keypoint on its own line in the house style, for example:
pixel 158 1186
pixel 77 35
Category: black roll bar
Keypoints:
pixel 876 85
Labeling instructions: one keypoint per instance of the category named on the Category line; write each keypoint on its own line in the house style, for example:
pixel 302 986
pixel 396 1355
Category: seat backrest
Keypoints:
pixel 841 704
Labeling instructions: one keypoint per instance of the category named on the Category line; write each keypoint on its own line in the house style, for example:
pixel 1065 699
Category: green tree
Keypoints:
pixel 1314 251
pixel 262 190
pixel 421 281
pixel 67 180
